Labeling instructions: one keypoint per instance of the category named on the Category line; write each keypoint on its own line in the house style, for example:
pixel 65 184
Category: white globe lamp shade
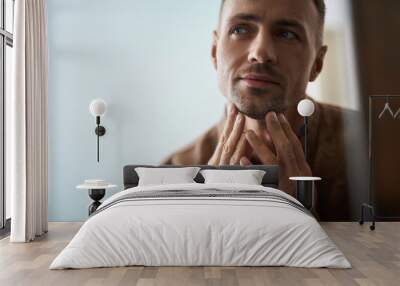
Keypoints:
pixel 306 108
pixel 98 107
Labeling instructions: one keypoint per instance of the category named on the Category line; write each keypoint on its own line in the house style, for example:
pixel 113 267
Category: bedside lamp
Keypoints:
pixel 306 108
pixel 306 185
pixel 98 108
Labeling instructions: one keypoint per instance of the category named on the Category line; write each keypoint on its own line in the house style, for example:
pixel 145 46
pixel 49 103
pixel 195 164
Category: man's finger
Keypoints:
pixel 263 152
pixel 229 123
pixel 295 142
pixel 275 130
pixel 283 146
pixel 244 161
pixel 267 139
pixel 239 151
pixel 230 145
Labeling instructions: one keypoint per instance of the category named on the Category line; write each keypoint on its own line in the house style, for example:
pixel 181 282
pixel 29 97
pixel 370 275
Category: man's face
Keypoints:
pixel 265 53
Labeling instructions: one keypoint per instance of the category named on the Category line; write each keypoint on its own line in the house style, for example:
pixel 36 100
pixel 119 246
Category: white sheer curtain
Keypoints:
pixel 28 123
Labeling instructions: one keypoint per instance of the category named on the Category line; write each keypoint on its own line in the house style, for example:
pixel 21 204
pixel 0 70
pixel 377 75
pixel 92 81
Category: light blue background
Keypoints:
pixel 150 60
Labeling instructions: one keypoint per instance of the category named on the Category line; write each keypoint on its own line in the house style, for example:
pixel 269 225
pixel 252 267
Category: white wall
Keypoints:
pixel 150 60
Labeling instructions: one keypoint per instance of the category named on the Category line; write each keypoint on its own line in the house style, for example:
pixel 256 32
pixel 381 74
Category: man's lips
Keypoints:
pixel 259 81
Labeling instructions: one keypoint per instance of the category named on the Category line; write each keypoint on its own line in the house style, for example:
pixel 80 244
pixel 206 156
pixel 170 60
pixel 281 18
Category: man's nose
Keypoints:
pixel 262 50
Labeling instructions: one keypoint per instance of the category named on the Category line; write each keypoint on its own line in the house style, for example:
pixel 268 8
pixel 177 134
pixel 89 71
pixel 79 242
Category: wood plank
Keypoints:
pixel 375 257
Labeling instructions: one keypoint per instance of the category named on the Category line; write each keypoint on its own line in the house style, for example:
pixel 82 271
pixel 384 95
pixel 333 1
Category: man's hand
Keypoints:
pixel 281 147
pixel 232 146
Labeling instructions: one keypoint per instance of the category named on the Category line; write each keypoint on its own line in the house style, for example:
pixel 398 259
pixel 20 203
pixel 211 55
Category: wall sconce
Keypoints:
pixel 306 108
pixel 98 108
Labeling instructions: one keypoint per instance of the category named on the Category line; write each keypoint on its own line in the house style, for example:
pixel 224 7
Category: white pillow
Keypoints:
pixel 248 177
pixel 162 176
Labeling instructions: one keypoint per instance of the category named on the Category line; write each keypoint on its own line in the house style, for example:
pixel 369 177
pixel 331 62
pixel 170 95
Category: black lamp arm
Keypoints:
pixel 306 138
pixel 100 131
pixel 98 155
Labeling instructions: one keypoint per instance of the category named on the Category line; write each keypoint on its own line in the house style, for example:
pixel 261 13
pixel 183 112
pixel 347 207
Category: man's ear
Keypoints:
pixel 214 49
pixel 318 63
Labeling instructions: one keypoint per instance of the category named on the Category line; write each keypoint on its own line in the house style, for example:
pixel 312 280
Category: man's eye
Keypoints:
pixel 238 30
pixel 288 35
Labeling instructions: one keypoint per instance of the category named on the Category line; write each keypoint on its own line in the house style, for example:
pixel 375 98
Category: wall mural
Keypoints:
pixel 207 84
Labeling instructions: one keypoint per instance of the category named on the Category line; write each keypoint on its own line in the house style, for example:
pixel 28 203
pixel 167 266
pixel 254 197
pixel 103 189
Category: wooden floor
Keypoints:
pixel 375 257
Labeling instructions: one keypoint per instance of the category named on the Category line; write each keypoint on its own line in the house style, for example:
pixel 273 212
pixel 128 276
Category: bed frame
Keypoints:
pixel 271 177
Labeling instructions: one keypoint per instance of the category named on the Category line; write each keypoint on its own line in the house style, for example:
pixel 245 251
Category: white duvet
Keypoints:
pixel 200 231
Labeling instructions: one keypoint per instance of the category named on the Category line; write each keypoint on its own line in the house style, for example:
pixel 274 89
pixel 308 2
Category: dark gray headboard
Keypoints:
pixel 271 177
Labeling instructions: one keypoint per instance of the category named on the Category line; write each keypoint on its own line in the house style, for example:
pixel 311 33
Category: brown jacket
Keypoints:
pixel 327 158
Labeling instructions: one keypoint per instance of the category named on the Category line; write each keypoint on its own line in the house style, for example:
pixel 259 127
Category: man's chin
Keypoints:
pixel 257 109
pixel 260 115
pixel 256 116
pixel 256 103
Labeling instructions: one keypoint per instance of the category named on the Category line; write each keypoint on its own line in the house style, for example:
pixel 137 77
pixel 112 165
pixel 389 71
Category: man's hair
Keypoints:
pixel 321 8
pixel 319 4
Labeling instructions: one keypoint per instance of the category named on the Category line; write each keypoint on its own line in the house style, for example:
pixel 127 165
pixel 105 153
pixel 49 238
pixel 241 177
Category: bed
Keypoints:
pixel 201 224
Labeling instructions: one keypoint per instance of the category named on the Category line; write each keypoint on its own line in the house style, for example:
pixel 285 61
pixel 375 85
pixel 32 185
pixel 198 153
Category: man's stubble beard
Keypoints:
pixel 258 109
